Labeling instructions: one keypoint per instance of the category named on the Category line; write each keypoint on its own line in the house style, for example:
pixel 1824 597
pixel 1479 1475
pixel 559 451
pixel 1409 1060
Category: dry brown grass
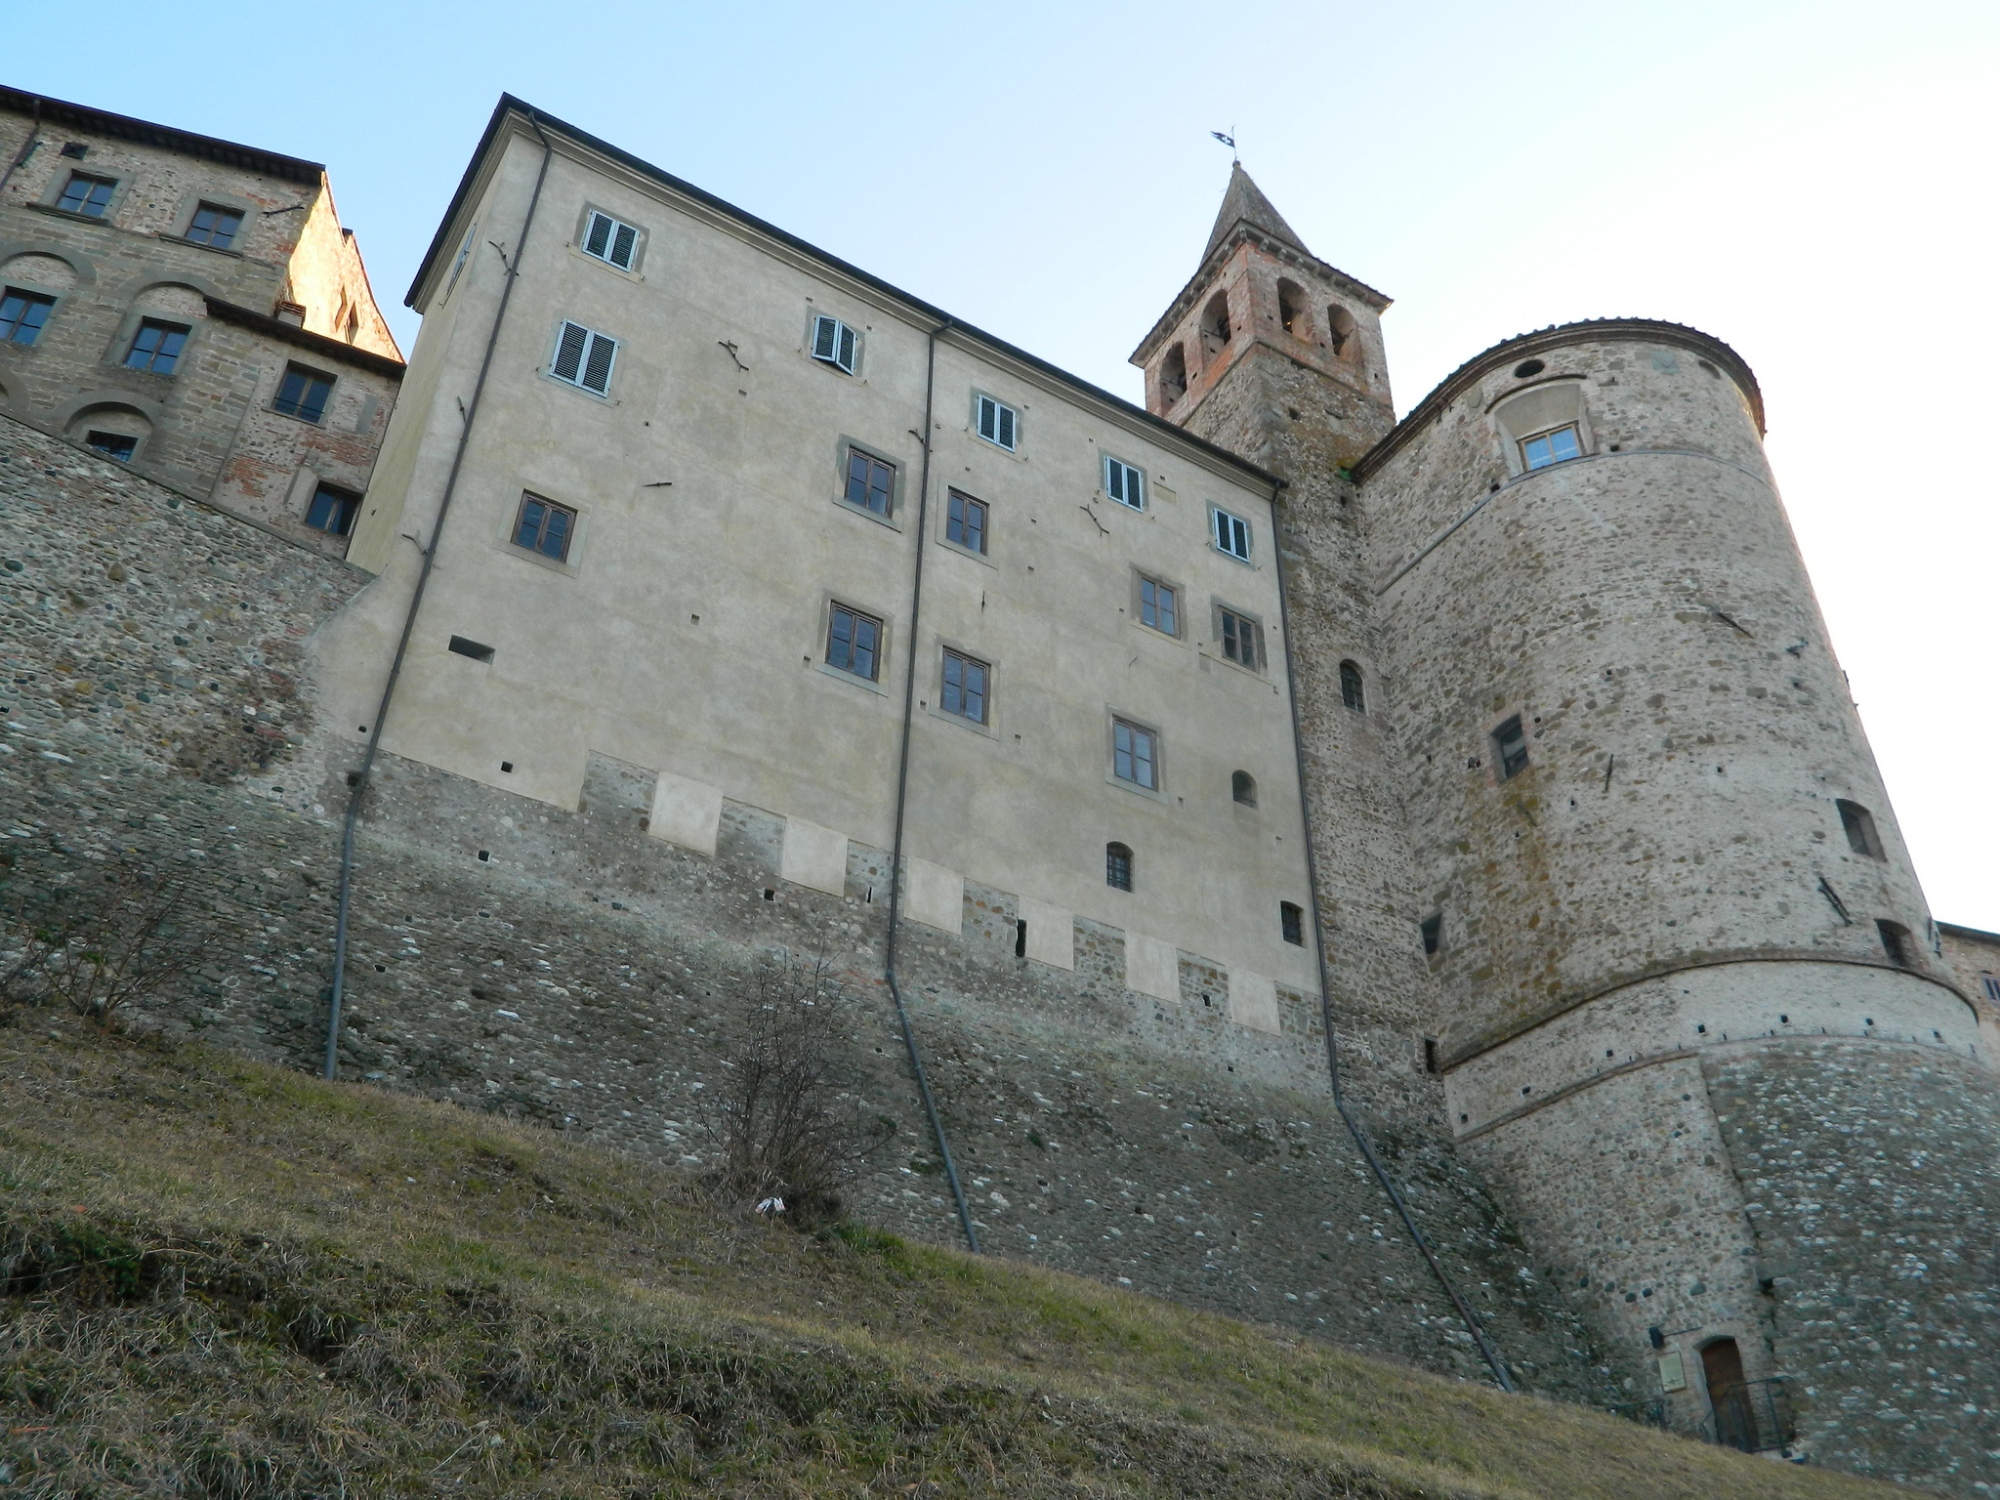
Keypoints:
pixel 225 1280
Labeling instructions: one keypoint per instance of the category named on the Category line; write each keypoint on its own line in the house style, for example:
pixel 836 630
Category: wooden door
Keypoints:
pixel 1722 1369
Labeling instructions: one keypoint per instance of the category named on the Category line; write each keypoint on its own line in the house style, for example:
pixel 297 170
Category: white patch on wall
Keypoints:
pixel 685 812
pixel 933 895
pixel 1051 932
pixel 1253 1001
pixel 1152 966
pixel 814 857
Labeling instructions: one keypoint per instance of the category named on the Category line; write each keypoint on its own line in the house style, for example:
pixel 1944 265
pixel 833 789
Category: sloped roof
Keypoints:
pixel 1245 203
pixel 145 132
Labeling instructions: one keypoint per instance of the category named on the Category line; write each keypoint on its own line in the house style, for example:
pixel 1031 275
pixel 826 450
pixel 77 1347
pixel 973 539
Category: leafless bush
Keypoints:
pixel 102 939
pixel 790 1131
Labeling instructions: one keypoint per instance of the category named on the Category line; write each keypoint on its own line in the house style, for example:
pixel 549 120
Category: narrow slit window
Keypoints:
pixel 998 422
pixel 1431 930
pixel 471 648
pixel 1546 448
pixel 965 523
pixel 1992 987
pixel 871 482
pixel 965 680
pixel 1118 867
pixel 1242 640
pixel 1159 606
pixel 215 226
pixel 584 358
pixel 22 315
pixel 1430 1054
pixel 1135 754
pixel 1232 535
pixel 1021 937
pixel 1859 825
pixel 854 643
pixel 86 195
pixel 611 240
pixel 545 528
pixel 1510 748
pixel 1243 788
pixel 1124 483
pixel 834 343
pixel 1292 922
pixel 157 346
pixel 333 510
pixel 303 394
pixel 1351 691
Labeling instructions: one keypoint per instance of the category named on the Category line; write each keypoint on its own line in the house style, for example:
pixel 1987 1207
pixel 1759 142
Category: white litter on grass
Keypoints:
pixel 509 1014
pixel 56 756
pixel 771 1206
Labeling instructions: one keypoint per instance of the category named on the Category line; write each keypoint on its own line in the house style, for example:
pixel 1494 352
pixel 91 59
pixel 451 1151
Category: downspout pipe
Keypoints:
pixel 902 798
pixel 1473 1326
pixel 361 777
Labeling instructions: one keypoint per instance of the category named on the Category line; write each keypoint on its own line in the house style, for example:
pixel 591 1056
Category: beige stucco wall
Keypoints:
pixel 686 634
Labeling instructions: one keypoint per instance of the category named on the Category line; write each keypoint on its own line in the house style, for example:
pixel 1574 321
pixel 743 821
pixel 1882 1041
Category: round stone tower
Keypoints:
pixel 1695 1023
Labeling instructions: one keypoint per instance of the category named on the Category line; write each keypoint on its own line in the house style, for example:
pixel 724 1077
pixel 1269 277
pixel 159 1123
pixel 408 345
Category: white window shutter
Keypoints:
pixel 569 351
pixel 1006 426
pixel 845 359
pixel 826 337
pixel 986 409
pixel 597 368
pixel 598 236
pixel 622 245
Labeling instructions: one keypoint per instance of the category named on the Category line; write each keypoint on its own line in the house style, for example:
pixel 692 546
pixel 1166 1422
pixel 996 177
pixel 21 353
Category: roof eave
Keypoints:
pixel 150 133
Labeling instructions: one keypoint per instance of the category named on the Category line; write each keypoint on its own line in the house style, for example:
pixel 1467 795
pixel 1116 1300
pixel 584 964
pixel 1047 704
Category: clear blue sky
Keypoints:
pixel 1813 182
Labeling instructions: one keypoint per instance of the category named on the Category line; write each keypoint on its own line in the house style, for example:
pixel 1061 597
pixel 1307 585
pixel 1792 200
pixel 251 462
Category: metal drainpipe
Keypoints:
pixel 902 794
pixel 331 1067
pixel 1494 1362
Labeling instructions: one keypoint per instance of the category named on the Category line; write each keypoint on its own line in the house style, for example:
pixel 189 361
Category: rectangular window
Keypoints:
pixel 1547 448
pixel 215 226
pixel 584 358
pixel 303 394
pixel 464 646
pixel 1992 987
pixel 834 343
pixel 611 240
pixel 854 642
pixel 1159 606
pixel 1124 483
pixel 1431 929
pixel 871 482
pixel 1242 639
pixel 1510 747
pixel 118 445
pixel 157 346
pixel 997 422
pixel 1859 825
pixel 22 315
pixel 545 527
pixel 965 523
pixel 1292 920
pixel 1896 943
pixel 1135 755
pixel 333 510
pixel 965 686
pixel 1232 535
pixel 87 195
pixel 1118 867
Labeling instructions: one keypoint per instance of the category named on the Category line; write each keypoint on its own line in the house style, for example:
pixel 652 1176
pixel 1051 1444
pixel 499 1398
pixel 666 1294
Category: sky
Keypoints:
pixel 1813 182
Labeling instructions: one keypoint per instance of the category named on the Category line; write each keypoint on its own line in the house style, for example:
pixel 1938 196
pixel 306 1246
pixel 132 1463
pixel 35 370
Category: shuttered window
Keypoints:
pixel 1124 483
pixel 834 343
pixel 1232 535
pixel 584 358
pixel 610 240
pixel 997 422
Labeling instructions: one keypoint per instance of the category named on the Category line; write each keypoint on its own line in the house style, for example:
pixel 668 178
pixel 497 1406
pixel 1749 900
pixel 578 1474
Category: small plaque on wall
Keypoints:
pixel 1673 1374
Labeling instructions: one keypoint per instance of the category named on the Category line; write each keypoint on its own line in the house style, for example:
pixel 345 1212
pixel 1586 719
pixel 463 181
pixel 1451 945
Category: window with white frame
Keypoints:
pixel 1124 483
pixel 996 421
pixel 1546 448
pixel 1135 754
pixel 1232 534
pixel 612 241
pixel 834 343
pixel 584 358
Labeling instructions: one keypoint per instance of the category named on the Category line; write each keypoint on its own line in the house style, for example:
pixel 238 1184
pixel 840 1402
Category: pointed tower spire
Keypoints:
pixel 1245 203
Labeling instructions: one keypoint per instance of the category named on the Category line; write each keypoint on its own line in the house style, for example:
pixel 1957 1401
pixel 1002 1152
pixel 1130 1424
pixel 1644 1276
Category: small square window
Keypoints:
pixel 75 150
pixel 584 358
pixel 1232 535
pixel 1292 922
pixel 1124 483
pixel 118 445
pixel 854 642
pixel 997 422
pixel 157 346
pixel 22 315
pixel 333 510
pixel 1135 754
pixel 303 394
pixel 611 240
pixel 965 523
pixel 1510 747
pixel 965 686
pixel 1242 639
pixel 871 482
pixel 834 343
pixel 215 226
pixel 1547 448
pixel 545 527
pixel 86 195
pixel 1159 606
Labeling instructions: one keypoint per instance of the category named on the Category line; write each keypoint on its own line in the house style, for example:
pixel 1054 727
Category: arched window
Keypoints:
pixel 1118 867
pixel 1350 688
pixel 1243 787
pixel 1293 312
pixel 1173 376
pixel 1215 324
pixel 1340 331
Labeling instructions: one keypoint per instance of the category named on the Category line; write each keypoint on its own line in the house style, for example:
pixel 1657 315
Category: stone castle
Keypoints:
pixel 1421 882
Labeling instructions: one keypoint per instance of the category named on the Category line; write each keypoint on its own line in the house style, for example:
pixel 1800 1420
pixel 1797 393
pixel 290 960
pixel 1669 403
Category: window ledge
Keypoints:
pixel 71 214
pixel 987 730
pixel 964 551
pixel 1138 791
pixel 840 674
pixel 565 566
pixel 181 239
pixel 293 416
pixel 843 503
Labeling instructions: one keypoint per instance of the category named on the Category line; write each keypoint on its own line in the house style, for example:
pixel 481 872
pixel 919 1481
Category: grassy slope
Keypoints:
pixel 228 1280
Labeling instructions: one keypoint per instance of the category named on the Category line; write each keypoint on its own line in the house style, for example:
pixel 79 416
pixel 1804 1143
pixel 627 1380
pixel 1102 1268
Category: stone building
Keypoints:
pixel 1144 771
pixel 191 307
